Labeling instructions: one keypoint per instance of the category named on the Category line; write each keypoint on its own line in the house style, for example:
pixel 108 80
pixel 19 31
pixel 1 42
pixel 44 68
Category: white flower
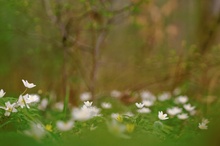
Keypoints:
pixel 2 93
pixel 64 126
pixel 116 116
pixel 43 104
pixel 85 113
pixel 148 103
pixel 28 85
pixel 59 106
pixel 139 105
pixel 85 96
pixel 206 121
pixel 88 104
pixel 165 96
pixel 203 126
pixel 115 93
pixel 23 101
pixel 181 99
pixel 10 108
pixel 33 98
pixel 174 111
pixel 193 112
pixel 144 110
pixel 27 99
pixel 189 107
pixel 162 116
pixel 177 91
pixel 94 111
pixel 183 116
pixel 106 105
pixel 36 131
pixel 146 95
pixel 81 114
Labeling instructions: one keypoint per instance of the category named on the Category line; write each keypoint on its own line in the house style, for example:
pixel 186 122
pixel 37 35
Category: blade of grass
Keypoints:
pixel 66 101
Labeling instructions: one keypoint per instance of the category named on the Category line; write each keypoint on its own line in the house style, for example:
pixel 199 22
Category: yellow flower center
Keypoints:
pixel 119 118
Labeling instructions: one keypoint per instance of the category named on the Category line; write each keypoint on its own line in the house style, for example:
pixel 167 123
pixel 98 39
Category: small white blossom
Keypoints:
pixel 85 113
pixel 59 106
pixel 206 121
pixel 144 110
pixel 27 99
pixel 10 108
pixel 139 105
pixel 2 93
pixel 85 96
pixel 189 107
pixel 162 116
pixel 165 96
pixel 94 111
pixel 174 111
pixel 43 104
pixel 183 116
pixel 81 114
pixel 64 126
pixel 27 84
pixel 33 98
pixel 116 93
pixel 193 112
pixel 148 103
pixel 36 131
pixel 176 91
pixel 181 99
pixel 116 116
pixel 203 126
pixel 146 95
pixel 88 104
pixel 23 101
pixel 106 105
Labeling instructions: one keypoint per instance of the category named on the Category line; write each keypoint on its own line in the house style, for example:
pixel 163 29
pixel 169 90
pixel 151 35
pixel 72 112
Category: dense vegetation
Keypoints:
pixel 105 70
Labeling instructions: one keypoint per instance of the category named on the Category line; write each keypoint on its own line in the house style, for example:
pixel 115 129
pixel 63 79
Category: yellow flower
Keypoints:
pixel 48 127
pixel 130 128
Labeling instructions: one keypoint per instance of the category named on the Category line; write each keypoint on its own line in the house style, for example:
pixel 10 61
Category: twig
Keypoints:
pixel 49 11
pixel 95 64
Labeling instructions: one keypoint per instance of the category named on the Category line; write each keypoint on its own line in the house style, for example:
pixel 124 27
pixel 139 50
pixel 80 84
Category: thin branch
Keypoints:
pixel 49 11
pixel 95 64
pixel 125 8
pixel 211 34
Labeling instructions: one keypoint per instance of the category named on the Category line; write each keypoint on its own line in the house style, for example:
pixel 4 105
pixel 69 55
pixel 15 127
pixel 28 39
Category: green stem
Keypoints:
pixel 4 124
pixel 24 91
pixel 66 102
pixel 25 104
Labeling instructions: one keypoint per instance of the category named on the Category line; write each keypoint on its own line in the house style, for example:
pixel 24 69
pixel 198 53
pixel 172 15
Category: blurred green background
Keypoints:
pixel 101 45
